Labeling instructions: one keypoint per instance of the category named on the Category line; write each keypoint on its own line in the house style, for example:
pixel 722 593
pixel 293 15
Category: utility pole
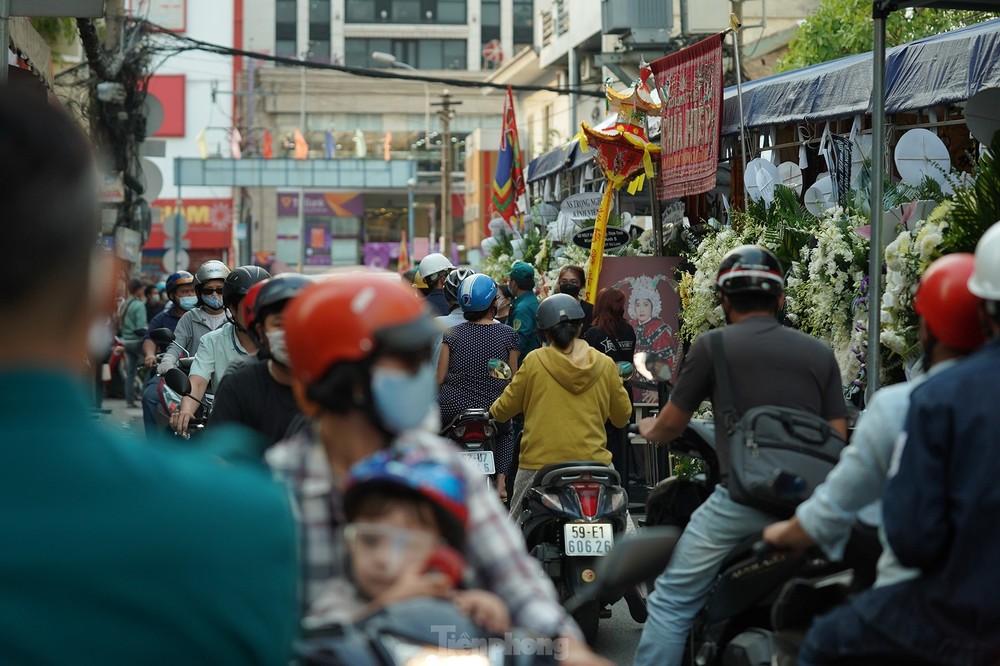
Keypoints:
pixel 446 113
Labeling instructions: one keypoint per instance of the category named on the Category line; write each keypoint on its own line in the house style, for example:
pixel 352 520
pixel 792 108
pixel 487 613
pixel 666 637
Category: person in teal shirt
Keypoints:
pixel 523 317
pixel 114 551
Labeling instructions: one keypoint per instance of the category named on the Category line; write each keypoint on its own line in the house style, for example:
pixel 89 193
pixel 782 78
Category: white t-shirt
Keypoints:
pixel 216 353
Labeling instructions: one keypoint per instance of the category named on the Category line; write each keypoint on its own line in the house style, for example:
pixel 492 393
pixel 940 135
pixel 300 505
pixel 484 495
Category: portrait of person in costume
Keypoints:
pixel 656 346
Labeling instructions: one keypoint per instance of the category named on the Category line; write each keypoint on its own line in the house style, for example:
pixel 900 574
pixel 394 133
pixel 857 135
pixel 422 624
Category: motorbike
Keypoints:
pixel 171 392
pixel 474 430
pixel 431 631
pixel 763 599
pixel 571 517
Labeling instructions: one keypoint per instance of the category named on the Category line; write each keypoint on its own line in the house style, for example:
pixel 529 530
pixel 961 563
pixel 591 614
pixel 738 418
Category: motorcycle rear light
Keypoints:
pixel 551 501
pixel 588 494
pixel 459 431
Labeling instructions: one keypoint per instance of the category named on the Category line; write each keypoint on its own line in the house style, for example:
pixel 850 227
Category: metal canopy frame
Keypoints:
pixel 880 12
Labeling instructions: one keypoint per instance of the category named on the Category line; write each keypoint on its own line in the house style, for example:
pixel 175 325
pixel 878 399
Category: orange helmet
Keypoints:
pixel 348 315
pixel 944 301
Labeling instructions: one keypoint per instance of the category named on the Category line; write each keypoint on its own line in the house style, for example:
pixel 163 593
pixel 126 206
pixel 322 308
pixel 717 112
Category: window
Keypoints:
pixel 562 18
pixel 285 29
pixel 451 12
pixel 319 30
pixel 523 24
pixel 419 53
pixel 546 28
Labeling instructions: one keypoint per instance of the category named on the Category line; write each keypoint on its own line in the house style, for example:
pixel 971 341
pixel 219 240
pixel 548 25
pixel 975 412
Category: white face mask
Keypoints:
pixel 277 347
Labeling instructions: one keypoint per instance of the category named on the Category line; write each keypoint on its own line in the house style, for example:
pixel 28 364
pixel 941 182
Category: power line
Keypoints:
pixel 200 45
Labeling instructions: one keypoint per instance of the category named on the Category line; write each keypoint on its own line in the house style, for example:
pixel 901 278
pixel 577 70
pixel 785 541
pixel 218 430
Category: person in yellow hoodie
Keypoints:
pixel 566 390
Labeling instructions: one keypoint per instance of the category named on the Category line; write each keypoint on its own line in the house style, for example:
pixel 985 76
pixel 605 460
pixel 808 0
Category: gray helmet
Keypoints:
pixel 558 308
pixel 210 270
pixel 452 282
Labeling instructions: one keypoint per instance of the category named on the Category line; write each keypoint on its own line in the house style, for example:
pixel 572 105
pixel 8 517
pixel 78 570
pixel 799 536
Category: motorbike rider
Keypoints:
pixel 113 552
pixel 566 391
pixel 939 513
pixel 949 330
pixel 209 282
pixel 455 316
pixel 218 350
pixel 258 393
pixel 462 369
pixel 402 510
pixel 434 270
pixel 769 365
pixel 179 288
pixel 367 384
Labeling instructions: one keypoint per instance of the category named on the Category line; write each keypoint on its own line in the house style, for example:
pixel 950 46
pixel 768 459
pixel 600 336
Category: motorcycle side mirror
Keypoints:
pixel 634 559
pixel 498 369
pixel 625 370
pixel 177 381
pixel 161 336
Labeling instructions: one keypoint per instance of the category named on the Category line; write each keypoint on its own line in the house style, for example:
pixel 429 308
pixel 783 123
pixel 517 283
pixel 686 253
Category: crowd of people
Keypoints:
pixel 320 489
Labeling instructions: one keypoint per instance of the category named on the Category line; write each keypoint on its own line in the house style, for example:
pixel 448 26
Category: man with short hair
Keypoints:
pixel 769 365
pixel 113 553
pixel 523 317
pixel 181 298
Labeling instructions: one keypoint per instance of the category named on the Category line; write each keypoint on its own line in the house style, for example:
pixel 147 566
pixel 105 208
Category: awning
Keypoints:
pixel 31 48
pixel 552 162
pixel 945 68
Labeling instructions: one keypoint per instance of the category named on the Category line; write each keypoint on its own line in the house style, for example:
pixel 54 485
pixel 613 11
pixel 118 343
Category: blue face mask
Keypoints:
pixel 187 302
pixel 213 302
pixel 402 399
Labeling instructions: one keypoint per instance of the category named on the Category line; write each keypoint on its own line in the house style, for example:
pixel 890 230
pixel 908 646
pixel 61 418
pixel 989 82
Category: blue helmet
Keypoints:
pixel 176 280
pixel 477 293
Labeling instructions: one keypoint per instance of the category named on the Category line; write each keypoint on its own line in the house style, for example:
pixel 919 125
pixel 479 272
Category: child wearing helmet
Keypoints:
pixel 406 523
pixel 367 385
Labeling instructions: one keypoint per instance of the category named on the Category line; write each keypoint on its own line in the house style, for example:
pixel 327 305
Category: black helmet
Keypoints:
pixel 558 308
pixel 750 269
pixel 276 292
pixel 452 282
pixel 239 281
pixel 210 270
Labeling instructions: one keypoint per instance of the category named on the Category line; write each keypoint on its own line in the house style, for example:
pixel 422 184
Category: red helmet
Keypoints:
pixel 249 302
pixel 944 301
pixel 348 315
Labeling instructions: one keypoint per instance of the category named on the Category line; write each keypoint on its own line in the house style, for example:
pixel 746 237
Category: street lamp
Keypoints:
pixel 389 59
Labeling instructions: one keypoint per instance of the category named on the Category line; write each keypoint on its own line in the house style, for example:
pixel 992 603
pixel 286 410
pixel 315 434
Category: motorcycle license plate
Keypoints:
pixel 587 539
pixel 481 460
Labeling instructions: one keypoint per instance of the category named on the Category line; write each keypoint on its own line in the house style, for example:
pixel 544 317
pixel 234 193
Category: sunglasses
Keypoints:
pixel 212 290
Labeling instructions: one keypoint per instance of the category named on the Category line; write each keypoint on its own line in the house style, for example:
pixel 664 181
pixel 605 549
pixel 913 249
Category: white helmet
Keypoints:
pixel 985 280
pixel 433 264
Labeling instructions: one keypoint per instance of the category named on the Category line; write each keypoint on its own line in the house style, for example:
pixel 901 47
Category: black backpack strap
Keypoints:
pixel 726 405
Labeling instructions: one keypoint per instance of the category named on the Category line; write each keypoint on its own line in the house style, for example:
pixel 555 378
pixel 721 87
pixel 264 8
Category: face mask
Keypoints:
pixel 570 289
pixel 402 400
pixel 187 302
pixel 277 348
pixel 213 302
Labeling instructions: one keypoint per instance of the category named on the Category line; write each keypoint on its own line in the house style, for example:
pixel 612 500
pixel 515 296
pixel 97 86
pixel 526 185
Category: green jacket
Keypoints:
pixel 133 319
pixel 523 318
pixel 121 552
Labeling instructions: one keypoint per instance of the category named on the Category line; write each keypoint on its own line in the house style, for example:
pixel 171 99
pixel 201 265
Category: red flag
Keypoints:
pixel 268 147
pixel 508 179
pixel 404 255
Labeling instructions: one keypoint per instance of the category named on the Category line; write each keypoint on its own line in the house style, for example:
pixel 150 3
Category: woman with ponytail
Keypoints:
pixel 566 390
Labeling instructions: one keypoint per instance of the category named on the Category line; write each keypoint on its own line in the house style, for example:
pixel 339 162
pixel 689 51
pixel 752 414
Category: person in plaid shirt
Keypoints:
pixel 360 346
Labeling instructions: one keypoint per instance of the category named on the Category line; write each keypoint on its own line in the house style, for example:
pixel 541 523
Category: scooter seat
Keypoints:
pixel 561 474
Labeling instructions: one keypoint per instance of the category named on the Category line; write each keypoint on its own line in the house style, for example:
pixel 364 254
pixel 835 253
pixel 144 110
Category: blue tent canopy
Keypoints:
pixel 552 162
pixel 950 67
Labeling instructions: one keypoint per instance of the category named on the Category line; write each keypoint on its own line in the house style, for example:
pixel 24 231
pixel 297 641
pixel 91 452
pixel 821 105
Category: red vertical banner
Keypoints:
pixel 690 85
pixel 508 179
